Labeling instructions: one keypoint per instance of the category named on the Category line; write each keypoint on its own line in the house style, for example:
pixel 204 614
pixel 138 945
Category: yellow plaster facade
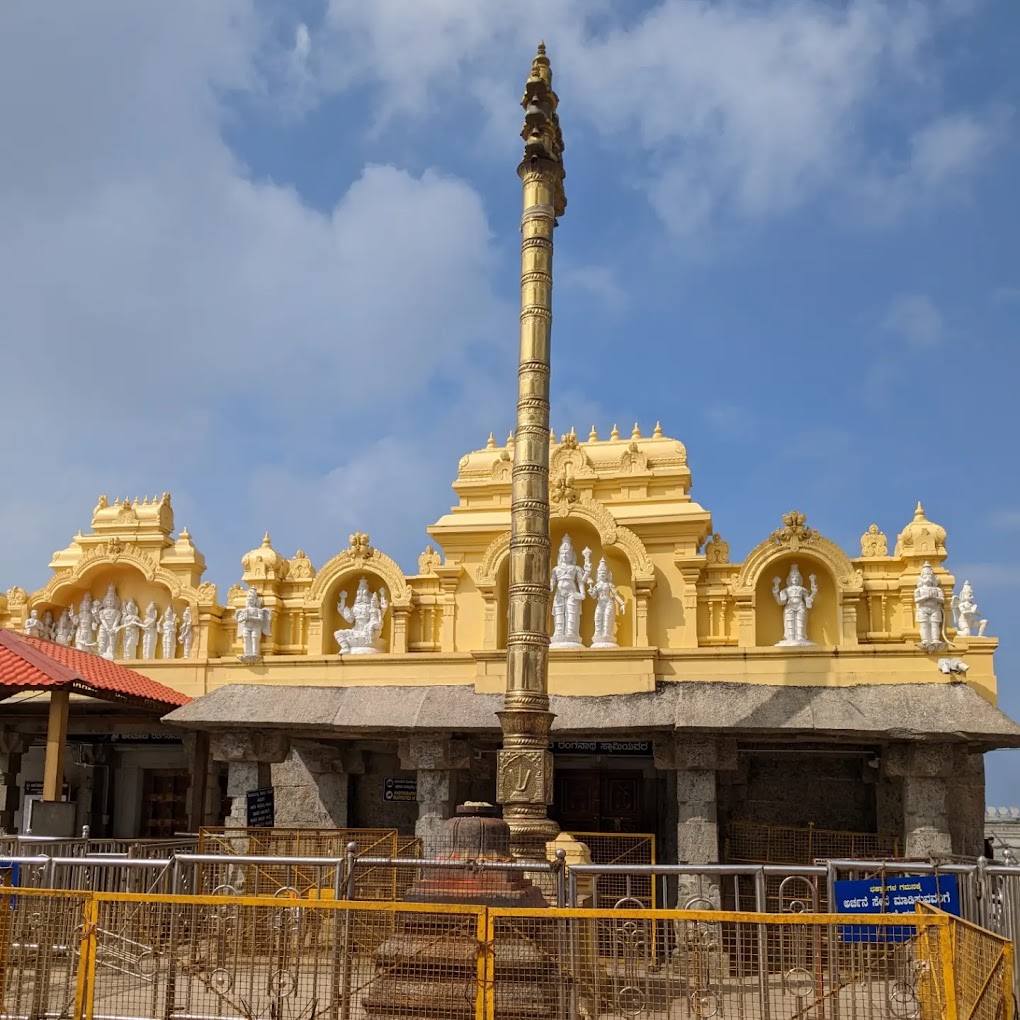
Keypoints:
pixel 693 612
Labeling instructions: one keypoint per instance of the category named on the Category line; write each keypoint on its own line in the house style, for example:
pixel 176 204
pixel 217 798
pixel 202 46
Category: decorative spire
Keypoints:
pixel 593 435
pixel 491 442
pixel 615 434
pixel 657 431
pixel 919 512
pixel 636 432
pixel 543 139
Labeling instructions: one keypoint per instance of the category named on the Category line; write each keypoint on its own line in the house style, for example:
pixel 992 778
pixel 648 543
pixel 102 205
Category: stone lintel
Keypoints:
pixel 679 751
pixel 923 759
pixel 249 746
pixel 434 752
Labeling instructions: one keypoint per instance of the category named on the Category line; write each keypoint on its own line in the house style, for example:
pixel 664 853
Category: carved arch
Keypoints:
pixel 611 535
pixel 100 557
pixel 354 560
pixel 848 578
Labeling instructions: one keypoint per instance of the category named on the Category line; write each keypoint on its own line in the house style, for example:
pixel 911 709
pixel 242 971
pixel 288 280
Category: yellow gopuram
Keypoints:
pixel 701 726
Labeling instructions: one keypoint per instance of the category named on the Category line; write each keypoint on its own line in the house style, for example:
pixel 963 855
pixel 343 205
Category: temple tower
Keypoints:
pixel 525 769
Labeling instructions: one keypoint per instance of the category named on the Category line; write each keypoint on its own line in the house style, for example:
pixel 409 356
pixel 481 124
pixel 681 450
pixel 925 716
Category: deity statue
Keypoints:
pixel 252 623
pixel 796 601
pixel 49 627
pixel 168 628
pixel 607 599
pixel 567 582
pixel 34 627
pixel 966 613
pixel 366 617
pixel 150 626
pixel 929 602
pixel 109 623
pixel 64 631
pixel 130 626
pixel 187 634
pixel 84 625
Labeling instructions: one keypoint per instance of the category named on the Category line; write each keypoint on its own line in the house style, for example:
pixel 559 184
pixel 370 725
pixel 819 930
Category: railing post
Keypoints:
pixel 352 863
pixel 948 963
pixel 86 959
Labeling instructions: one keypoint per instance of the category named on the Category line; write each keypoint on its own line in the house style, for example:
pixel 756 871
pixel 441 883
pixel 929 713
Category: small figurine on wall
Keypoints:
pixel 966 613
pixel 796 601
pixel 34 627
pixel 567 583
pixel 253 623
pixel 187 633
pixel 168 628
pixel 150 626
pixel 130 627
pixel 607 599
pixel 929 606
pixel 366 617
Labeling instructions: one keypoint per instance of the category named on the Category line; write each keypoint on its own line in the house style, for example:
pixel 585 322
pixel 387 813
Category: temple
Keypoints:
pixel 705 710
pixel 578 643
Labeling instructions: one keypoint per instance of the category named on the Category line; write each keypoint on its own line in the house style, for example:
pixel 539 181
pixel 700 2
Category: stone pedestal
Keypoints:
pixel 437 760
pixel 249 757
pixel 925 770
pixel 12 746
pixel 311 785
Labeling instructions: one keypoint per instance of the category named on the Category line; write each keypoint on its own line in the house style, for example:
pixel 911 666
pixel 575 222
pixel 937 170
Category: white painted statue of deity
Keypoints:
pixel 607 599
pixel 168 628
pixel 796 601
pixel 64 632
pixel 84 625
pixel 253 622
pixel 150 627
pixel 109 623
pixel 187 634
pixel 567 583
pixel 34 627
pixel 49 627
pixel 929 611
pixel 966 613
pixel 130 627
pixel 366 619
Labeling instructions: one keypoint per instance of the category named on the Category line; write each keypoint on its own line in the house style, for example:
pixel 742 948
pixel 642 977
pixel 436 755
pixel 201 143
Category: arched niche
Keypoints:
pixel 832 621
pixel 590 524
pixel 344 573
pixel 823 618
pixel 132 576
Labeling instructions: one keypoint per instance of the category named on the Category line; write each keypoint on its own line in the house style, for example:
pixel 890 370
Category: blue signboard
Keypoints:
pixel 897 894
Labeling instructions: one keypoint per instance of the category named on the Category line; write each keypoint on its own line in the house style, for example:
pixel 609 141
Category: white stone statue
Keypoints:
pixel 366 619
pixel 64 633
pixel 607 599
pixel 966 613
pixel 130 627
pixel 150 627
pixel 953 666
pixel 929 605
pixel 252 623
pixel 49 627
pixel 168 628
pixel 109 623
pixel 796 601
pixel 34 627
pixel 84 625
pixel 187 634
pixel 567 583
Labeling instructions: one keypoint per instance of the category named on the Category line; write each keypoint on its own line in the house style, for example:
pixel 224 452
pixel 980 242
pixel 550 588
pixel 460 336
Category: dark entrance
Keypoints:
pixel 592 800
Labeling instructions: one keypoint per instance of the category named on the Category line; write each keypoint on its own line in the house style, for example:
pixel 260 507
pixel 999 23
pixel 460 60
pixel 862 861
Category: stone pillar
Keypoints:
pixel 926 770
pixel 967 805
pixel 249 757
pixel 12 746
pixel 697 762
pixel 311 785
pixel 436 759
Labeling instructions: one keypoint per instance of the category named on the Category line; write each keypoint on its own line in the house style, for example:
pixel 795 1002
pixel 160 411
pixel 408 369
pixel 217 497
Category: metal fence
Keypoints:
pixel 104 956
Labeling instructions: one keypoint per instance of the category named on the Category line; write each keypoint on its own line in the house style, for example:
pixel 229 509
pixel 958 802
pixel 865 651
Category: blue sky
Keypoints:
pixel 265 256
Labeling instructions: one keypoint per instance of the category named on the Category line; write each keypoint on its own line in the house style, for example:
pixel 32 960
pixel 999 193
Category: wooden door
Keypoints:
pixel 576 807
pixel 164 802
pixel 621 802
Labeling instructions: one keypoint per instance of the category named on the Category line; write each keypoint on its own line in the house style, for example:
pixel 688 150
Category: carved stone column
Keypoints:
pixel 312 785
pixel 12 746
pixel 697 762
pixel 436 760
pixel 249 757
pixel 926 770
pixel 398 632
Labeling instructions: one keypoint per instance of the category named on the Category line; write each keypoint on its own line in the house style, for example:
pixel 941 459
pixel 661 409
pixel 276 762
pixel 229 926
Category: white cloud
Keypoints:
pixel 1005 520
pixel 601 282
pixel 172 323
pixel 915 320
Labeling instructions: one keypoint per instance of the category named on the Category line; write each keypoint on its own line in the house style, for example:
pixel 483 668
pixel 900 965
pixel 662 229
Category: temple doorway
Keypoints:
pixel 596 800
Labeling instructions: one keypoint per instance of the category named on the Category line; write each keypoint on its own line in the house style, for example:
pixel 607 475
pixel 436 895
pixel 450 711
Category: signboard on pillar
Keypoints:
pixel 401 790
pixel 260 808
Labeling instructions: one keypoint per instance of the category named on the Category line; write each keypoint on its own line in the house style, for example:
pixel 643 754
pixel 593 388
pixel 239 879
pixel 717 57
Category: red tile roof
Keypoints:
pixel 31 664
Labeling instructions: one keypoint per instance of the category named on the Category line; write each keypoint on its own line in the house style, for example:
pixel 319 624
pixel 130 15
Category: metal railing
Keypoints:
pixel 104 956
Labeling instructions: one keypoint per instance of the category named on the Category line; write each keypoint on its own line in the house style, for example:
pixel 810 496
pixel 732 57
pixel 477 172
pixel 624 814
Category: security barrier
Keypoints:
pixel 622 848
pixel 109 956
